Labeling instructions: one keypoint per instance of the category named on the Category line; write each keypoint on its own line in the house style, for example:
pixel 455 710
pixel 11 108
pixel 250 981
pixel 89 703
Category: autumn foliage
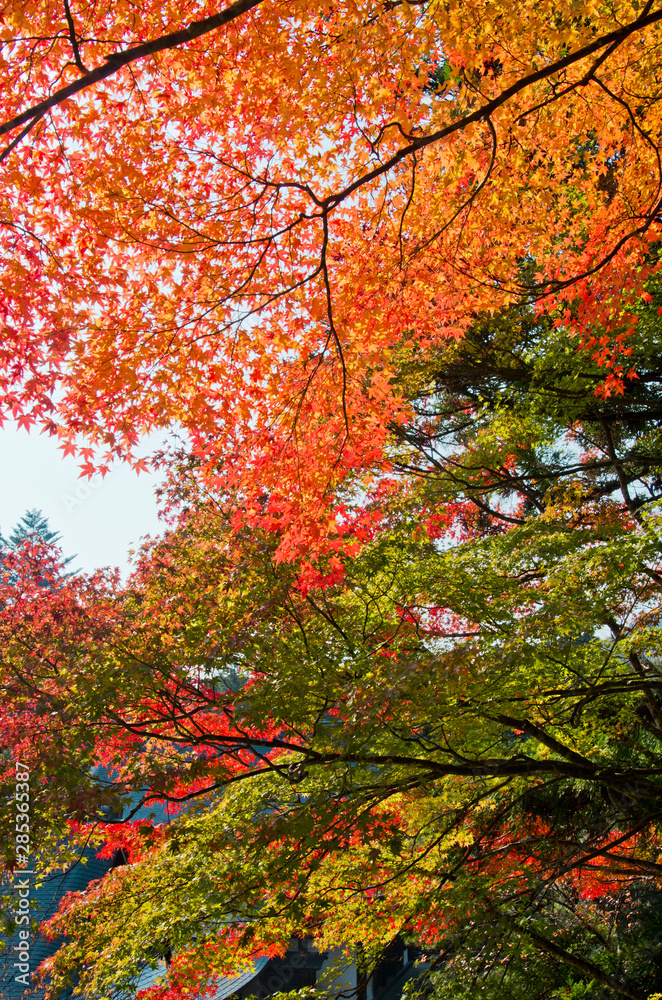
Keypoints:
pixel 391 270
pixel 236 226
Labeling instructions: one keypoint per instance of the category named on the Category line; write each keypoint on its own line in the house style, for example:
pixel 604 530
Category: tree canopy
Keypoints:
pixel 458 741
pixel 394 668
pixel 233 219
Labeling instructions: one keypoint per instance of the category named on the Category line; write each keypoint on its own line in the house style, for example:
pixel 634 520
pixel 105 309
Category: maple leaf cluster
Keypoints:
pixel 392 271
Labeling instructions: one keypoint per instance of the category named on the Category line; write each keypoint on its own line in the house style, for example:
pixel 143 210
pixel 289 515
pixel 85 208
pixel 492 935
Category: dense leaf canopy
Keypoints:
pixel 232 220
pixel 395 668
pixel 461 735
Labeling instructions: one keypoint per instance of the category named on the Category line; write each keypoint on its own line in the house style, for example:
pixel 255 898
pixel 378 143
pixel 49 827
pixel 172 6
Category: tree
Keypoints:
pixel 409 613
pixel 33 524
pixel 512 419
pixel 358 758
pixel 231 220
pixel 457 740
pixel 38 543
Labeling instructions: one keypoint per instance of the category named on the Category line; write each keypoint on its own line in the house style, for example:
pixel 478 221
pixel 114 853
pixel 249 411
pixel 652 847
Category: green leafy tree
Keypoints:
pixel 457 739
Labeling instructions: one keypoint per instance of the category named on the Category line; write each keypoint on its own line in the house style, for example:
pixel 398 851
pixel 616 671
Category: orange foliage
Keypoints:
pixel 234 221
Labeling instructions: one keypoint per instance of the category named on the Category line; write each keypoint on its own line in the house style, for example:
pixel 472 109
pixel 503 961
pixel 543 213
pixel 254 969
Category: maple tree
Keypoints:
pixel 392 268
pixel 457 742
pixel 232 220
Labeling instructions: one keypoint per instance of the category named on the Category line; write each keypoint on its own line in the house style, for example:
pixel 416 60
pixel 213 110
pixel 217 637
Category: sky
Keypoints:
pixel 99 519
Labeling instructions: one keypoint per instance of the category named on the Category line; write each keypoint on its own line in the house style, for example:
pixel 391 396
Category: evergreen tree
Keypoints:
pixel 33 524
pixel 32 527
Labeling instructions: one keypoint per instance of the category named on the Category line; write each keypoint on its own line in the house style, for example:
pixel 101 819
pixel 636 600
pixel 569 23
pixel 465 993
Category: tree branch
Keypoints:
pixel 125 57
pixel 582 965
pixel 74 38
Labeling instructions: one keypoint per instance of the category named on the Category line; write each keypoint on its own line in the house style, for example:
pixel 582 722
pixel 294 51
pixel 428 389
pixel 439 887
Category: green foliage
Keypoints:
pixel 515 418
pixel 458 741
pixel 33 524
pixel 33 528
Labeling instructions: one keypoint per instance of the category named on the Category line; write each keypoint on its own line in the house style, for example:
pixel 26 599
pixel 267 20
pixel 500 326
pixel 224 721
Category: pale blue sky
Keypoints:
pixel 99 520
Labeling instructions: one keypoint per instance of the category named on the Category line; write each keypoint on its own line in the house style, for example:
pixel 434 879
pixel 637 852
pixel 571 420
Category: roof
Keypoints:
pixel 225 987
pixel 45 901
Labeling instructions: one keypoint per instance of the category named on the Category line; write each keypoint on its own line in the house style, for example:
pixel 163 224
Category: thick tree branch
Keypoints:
pixel 542 737
pixel 582 965
pixel 116 60
pixel 612 39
